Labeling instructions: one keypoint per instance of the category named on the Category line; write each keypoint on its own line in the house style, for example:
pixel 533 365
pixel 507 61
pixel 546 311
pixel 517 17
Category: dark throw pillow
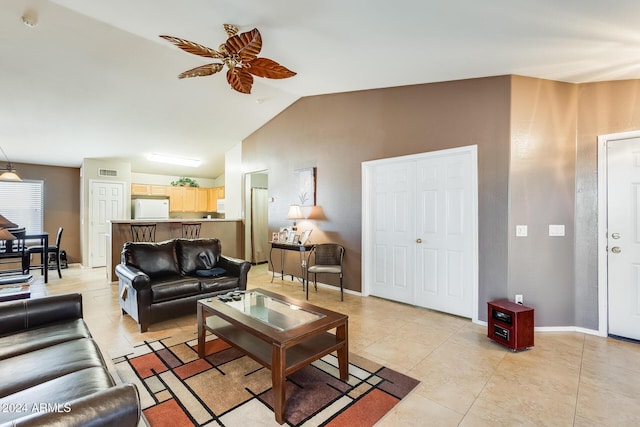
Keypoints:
pixel 211 272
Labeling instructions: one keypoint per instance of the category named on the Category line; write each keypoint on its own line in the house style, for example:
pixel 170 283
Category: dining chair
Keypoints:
pixel 143 232
pixel 191 230
pixel 51 249
pixel 328 259
pixel 13 251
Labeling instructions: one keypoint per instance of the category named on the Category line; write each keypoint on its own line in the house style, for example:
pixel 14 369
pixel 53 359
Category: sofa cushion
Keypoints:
pixel 29 369
pixel 218 284
pixel 155 259
pixel 61 390
pixel 174 288
pixel 46 336
pixel 197 254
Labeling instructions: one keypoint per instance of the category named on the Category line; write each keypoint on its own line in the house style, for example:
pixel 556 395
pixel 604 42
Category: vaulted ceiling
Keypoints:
pixel 92 79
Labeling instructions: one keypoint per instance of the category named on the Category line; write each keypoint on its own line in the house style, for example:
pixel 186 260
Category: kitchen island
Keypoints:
pixel 229 231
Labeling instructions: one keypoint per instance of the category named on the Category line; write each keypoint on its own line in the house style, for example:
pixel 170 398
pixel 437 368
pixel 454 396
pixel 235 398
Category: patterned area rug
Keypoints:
pixel 229 389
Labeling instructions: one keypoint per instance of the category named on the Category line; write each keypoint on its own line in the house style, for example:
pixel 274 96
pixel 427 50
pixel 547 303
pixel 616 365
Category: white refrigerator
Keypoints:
pixel 151 208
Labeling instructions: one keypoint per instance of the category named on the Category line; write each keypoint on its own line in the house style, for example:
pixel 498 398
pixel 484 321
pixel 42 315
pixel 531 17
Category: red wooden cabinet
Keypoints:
pixel 510 324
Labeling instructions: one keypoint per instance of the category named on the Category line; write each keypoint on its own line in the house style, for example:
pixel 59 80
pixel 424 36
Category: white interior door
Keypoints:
pixel 107 203
pixel 420 230
pixel 393 229
pixel 444 230
pixel 623 237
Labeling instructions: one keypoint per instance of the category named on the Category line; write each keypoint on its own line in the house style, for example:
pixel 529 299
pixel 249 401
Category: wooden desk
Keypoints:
pixel 283 247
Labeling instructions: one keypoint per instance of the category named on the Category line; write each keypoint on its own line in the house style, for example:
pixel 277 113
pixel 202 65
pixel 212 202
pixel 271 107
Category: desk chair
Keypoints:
pixel 52 249
pixel 191 230
pixel 143 232
pixel 328 259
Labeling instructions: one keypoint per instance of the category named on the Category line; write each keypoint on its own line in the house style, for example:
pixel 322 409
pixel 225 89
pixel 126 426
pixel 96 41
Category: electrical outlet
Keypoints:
pixel 519 299
pixel 521 231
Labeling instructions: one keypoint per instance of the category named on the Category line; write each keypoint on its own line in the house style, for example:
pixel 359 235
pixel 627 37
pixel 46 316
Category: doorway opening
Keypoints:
pixel 257 217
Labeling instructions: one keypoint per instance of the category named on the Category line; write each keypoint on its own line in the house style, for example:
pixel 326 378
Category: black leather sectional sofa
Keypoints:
pixel 158 281
pixel 52 372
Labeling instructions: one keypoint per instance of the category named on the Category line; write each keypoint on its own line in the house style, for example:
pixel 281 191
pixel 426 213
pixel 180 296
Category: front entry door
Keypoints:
pixel 623 237
pixel 107 203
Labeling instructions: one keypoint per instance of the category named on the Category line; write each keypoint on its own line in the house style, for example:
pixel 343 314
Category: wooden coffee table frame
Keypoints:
pixel 283 352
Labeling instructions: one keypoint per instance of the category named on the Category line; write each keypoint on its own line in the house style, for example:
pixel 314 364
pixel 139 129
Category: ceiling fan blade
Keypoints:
pixel 231 30
pixel 194 48
pixel 240 80
pixel 203 70
pixel 268 68
pixel 246 45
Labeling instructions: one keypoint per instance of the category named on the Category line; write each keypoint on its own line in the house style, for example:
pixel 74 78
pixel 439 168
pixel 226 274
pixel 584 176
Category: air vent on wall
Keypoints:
pixel 107 172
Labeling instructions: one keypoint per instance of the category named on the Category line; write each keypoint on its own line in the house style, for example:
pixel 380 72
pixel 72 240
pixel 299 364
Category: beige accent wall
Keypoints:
pixel 61 204
pixel 336 133
pixel 542 192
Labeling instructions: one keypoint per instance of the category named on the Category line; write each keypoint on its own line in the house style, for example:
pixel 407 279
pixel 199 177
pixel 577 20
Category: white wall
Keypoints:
pixel 233 177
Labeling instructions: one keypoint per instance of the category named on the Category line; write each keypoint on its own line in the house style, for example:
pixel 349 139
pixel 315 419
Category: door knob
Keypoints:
pixel 615 236
pixel 418 240
pixel 616 250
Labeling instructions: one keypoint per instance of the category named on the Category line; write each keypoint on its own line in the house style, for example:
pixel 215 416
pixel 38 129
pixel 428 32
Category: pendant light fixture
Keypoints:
pixel 8 173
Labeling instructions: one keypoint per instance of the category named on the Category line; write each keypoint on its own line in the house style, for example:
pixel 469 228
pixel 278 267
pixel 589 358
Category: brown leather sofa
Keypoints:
pixel 158 281
pixel 52 370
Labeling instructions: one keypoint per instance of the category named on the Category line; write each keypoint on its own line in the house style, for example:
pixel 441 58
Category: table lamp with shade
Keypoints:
pixel 295 214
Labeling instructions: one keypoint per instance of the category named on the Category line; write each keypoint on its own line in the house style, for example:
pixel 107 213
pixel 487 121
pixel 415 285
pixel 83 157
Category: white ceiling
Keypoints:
pixel 94 80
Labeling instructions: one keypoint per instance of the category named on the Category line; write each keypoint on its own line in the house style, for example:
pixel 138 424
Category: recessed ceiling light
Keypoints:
pixel 183 161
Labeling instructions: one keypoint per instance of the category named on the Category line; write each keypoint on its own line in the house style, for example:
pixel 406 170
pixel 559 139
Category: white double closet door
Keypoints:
pixel 420 230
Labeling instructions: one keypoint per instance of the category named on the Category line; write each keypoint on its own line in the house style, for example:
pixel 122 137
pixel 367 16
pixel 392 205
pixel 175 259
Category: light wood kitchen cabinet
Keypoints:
pixel 202 199
pixel 158 190
pixel 212 203
pixel 176 199
pixel 182 199
pixel 148 190
pixel 189 201
pixel 139 189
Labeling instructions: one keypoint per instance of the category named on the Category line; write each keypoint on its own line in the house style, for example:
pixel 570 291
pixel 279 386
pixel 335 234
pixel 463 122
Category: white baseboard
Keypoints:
pixel 555 329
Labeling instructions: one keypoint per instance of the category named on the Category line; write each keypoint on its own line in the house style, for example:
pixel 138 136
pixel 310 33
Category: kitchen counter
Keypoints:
pixel 177 220
pixel 229 231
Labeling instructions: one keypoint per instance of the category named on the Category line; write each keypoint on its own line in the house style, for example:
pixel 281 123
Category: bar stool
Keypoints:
pixel 143 232
pixel 191 230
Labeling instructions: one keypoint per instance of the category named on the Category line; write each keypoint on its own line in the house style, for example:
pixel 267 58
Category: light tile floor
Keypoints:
pixel 566 379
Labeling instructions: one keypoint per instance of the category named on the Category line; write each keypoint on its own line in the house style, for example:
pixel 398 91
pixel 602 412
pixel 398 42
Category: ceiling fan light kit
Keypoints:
pixel 239 53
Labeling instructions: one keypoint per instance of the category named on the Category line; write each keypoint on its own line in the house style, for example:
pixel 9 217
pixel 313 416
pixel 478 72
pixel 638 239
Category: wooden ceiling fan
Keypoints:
pixel 239 53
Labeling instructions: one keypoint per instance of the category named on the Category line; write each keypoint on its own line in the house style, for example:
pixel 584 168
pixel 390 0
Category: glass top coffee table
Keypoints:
pixel 279 332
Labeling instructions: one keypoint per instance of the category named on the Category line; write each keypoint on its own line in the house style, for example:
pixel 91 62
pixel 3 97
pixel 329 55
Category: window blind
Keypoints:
pixel 23 203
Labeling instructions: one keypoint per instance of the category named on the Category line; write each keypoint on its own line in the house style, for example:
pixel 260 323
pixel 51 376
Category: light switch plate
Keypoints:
pixel 521 231
pixel 556 230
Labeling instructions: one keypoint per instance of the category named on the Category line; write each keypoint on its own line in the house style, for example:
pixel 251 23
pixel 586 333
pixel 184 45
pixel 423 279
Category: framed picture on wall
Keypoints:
pixel 305 237
pixel 305 181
